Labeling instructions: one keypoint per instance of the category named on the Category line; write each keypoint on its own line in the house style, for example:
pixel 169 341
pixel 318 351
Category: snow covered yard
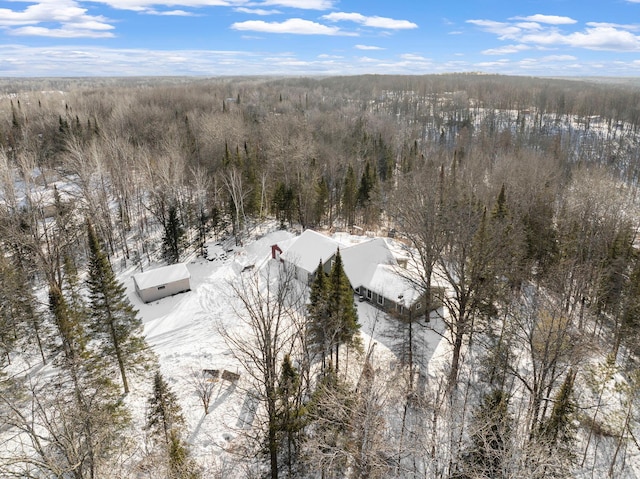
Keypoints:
pixel 183 331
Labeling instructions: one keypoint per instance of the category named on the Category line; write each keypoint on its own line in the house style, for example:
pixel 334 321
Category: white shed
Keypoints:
pixel 162 282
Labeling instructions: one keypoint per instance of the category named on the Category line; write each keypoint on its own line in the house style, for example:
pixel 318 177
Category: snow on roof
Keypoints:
pixel 361 260
pixel 372 265
pixel 310 248
pixel 159 276
pixel 387 281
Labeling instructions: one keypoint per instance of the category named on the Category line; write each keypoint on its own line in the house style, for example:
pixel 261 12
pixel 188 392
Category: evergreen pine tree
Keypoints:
pixel 73 339
pixel 173 239
pixel 181 466
pixel 290 420
pixel 384 158
pixel 322 197
pixel 540 233
pixel 556 435
pixel 165 422
pixel 630 316
pixel 615 269
pixel 491 430
pixel 342 311
pixel 366 189
pixel 500 211
pixel 558 429
pixel 319 330
pixel 90 417
pixel 164 413
pixel 349 196
pixel 19 319
pixel 114 322
pixel 328 443
pixel 367 183
pixel 284 203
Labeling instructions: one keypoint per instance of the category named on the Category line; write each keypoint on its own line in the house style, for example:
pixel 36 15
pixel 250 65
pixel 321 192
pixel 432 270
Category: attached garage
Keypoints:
pixel 162 282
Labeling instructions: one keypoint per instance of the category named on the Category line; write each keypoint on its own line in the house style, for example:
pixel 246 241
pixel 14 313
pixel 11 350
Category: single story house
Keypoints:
pixel 162 282
pixel 375 273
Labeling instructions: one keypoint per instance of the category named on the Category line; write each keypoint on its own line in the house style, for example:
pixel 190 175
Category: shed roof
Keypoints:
pixel 159 276
pixel 310 248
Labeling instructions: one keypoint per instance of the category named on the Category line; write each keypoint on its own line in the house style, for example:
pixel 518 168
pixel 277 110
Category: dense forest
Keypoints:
pixel 519 193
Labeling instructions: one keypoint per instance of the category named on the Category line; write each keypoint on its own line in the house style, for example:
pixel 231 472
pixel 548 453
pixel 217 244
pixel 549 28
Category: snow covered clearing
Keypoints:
pixel 183 331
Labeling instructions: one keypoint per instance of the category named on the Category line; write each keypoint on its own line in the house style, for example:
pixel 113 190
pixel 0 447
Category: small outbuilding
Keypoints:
pixel 162 282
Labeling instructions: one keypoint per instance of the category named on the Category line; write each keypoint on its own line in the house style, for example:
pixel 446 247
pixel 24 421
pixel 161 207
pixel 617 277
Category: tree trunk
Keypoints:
pixel 116 346
pixel 455 360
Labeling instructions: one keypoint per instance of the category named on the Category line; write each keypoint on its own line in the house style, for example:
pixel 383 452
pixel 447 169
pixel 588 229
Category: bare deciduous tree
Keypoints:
pixel 204 385
pixel 269 311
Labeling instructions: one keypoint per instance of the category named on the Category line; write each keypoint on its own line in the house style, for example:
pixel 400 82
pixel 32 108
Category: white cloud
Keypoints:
pixel 302 4
pixel 597 36
pixel 505 50
pixel 171 13
pixel 504 30
pixel 496 63
pixel 549 19
pixel 558 58
pixel 64 11
pixel 68 18
pixel 58 32
pixel 368 47
pixel 529 25
pixel 145 5
pixel 375 22
pixel 18 60
pixel 550 59
pixel 148 6
pixel 296 26
pixel 257 11
pixel 412 57
pixel 367 60
pixel 614 25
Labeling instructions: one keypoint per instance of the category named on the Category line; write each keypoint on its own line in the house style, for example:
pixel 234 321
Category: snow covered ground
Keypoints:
pixel 183 331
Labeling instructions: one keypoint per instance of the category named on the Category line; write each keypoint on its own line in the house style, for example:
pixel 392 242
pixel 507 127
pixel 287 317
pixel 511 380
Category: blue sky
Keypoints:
pixel 319 37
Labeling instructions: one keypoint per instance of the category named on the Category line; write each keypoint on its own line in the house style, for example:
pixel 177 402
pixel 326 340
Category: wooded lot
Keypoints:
pixel 518 194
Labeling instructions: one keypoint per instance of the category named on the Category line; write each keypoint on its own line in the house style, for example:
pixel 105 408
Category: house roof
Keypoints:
pixel 361 260
pixel 310 248
pixel 388 281
pixel 159 276
pixel 372 265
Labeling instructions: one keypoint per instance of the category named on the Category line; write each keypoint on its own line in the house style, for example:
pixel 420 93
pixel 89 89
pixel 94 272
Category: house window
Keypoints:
pixel 400 308
pixel 418 306
pixel 358 290
pixel 380 299
pixel 369 295
pixel 162 287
